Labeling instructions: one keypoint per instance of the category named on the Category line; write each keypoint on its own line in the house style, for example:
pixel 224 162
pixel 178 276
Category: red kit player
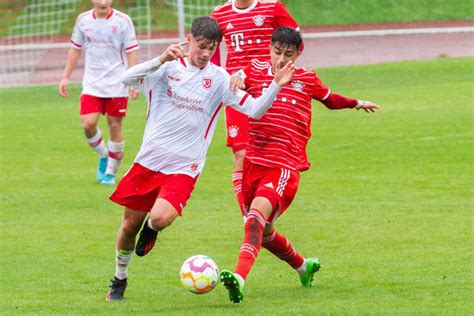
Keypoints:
pixel 247 27
pixel 276 154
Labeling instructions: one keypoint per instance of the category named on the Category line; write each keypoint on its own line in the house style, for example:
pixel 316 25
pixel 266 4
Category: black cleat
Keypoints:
pixel 146 241
pixel 116 290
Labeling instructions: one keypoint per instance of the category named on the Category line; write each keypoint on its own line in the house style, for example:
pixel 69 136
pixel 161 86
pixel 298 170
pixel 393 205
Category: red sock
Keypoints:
pixel 237 182
pixel 252 242
pixel 281 247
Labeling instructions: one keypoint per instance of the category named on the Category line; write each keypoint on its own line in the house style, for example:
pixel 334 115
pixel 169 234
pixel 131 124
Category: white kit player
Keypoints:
pixel 108 38
pixel 185 93
pixel 247 27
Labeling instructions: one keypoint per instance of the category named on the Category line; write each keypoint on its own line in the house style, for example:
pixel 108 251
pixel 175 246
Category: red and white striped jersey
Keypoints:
pixel 279 138
pixel 247 32
pixel 106 43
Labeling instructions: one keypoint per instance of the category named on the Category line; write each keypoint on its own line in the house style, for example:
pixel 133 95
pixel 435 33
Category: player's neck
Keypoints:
pixel 243 4
pixel 100 14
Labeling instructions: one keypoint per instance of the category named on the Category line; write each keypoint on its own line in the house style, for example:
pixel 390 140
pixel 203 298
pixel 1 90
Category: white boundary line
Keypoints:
pixel 367 33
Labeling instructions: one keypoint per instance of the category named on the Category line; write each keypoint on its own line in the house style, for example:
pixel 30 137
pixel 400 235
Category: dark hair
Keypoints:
pixel 287 36
pixel 205 27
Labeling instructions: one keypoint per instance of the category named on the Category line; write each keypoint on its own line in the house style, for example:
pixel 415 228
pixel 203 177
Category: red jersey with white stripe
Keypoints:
pixel 106 43
pixel 280 137
pixel 247 32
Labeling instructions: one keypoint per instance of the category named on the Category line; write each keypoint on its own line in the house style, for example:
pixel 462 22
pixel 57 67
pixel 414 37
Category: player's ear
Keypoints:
pixel 188 37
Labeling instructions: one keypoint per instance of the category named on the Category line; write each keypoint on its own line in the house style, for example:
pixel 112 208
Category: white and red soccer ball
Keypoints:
pixel 199 274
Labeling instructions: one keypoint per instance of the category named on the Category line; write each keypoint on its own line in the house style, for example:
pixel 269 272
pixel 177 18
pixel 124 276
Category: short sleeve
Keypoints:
pixel 283 17
pixel 77 37
pixel 319 90
pixel 130 40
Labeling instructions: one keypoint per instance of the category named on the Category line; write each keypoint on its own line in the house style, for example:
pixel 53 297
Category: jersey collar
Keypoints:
pixel 247 9
pixel 185 62
pixel 107 17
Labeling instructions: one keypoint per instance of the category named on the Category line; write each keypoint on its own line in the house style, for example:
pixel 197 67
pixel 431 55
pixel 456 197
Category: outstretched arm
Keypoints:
pixel 336 101
pixel 255 108
pixel 134 74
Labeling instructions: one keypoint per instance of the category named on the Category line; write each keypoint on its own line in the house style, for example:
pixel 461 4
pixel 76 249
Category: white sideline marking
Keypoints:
pixel 167 41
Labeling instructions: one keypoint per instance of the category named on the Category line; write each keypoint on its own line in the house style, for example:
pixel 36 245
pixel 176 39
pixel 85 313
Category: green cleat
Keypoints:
pixel 312 266
pixel 232 285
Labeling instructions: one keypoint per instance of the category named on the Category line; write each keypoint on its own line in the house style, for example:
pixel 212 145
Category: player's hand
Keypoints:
pixel 63 87
pixel 133 93
pixel 368 106
pixel 173 52
pixel 285 74
pixel 236 83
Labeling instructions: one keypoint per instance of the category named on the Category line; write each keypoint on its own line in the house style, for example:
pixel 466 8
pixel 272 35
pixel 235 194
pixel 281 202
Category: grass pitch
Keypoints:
pixel 387 206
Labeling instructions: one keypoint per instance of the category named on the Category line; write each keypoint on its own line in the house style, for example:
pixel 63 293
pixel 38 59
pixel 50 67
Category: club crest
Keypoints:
pixel 298 86
pixel 258 20
pixel 207 82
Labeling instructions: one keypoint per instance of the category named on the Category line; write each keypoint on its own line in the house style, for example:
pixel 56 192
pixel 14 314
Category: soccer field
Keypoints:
pixel 387 206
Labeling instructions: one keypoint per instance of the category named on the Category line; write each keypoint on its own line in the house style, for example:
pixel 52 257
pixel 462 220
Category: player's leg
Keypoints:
pixel 91 108
pixel 282 248
pixel 162 215
pixel 131 223
pixel 115 145
pixel 174 192
pixel 237 138
pixel 260 210
pixel 116 109
pixel 284 185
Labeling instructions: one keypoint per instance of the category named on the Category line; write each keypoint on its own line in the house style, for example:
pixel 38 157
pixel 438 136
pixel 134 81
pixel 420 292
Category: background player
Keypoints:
pixel 247 27
pixel 105 34
pixel 184 99
pixel 276 154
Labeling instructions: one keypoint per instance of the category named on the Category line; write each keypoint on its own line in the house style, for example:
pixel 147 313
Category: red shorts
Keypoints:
pixel 111 106
pixel 237 125
pixel 140 188
pixel 278 185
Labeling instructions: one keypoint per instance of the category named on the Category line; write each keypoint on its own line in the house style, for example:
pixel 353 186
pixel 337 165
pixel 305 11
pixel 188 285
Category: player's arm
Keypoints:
pixel 132 59
pixel 71 63
pixel 255 108
pixel 135 74
pixel 336 101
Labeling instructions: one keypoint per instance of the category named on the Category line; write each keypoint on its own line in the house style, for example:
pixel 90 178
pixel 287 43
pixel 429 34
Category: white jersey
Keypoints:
pixel 106 43
pixel 183 107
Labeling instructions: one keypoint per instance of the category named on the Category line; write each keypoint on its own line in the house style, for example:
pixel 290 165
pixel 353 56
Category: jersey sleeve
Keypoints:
pixel 77 37
pixel 146 75
pixel 245 103
pixel 130 40
pixel 283 17
pixel 319 91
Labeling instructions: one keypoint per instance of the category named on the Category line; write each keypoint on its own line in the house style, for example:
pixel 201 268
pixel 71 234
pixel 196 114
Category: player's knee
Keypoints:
pixel 161 221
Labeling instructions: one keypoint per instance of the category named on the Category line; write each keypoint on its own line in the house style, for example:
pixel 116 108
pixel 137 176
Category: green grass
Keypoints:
pixel 387 206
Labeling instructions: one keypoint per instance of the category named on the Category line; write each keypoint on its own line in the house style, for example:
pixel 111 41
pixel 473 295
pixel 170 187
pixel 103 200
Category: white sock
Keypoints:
pixel 240 279
pixel 148 222
pixel 115 157
pixel 302 268
pixel 122 260
pixel 97 144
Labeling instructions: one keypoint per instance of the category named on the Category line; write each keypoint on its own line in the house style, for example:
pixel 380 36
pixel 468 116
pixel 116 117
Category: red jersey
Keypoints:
pixel 247 32
pixel 280 137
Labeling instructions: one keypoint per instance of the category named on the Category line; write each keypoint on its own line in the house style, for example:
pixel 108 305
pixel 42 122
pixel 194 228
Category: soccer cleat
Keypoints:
pixel 101 168
pixel 116 290
pixel 108 179
pixel 146 241
pixel 312 266
pixel 232 285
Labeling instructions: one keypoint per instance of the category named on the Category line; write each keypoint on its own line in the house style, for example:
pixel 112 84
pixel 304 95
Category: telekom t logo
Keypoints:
pixel 237 40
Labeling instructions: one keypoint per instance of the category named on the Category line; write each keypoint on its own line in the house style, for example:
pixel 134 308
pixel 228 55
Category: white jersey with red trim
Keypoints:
pixel 106 43
pixel 280 137
pixel 247 32
pixel 183 106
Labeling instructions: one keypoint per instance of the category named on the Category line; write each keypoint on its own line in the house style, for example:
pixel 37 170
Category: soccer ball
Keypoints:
pixel 199 274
